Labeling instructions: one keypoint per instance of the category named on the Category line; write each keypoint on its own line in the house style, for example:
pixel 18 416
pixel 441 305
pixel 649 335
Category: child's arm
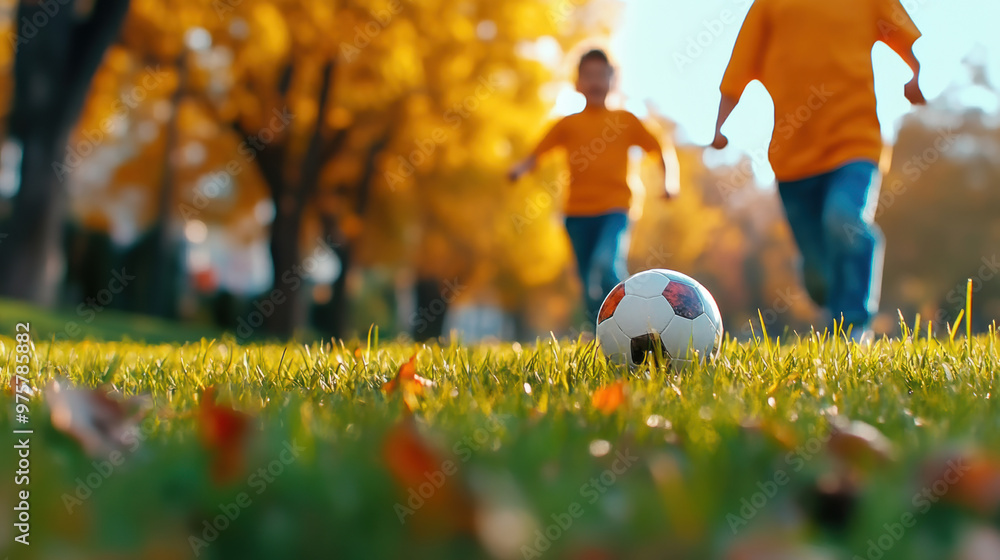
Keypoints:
pixel 663 171
pixel 650 144
pixel 551 140
pixel 897 30
pixel 912 89
pixel 744 66
pixel 523 167
pixel 726 107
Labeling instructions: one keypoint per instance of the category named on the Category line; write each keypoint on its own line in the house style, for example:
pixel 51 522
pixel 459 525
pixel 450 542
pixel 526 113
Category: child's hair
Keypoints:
pixel 595 54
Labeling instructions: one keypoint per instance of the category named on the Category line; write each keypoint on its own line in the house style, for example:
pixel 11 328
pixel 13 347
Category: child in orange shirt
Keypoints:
pixel 814 58
pixel 597 141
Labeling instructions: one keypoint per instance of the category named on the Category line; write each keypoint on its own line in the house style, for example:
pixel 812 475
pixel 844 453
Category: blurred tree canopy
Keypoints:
pixel 308 123
pixel 217 139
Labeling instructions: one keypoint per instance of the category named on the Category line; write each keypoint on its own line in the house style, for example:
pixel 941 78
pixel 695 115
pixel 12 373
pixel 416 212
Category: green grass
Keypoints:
pixel 519 427
pixel 108 324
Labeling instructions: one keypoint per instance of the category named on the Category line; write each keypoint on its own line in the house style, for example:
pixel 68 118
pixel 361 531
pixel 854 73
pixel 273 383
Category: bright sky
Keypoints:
pixel 653 32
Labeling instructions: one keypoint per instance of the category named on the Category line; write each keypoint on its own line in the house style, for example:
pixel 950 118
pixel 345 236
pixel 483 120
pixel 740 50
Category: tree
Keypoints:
pixel 359 127
pixel 58 47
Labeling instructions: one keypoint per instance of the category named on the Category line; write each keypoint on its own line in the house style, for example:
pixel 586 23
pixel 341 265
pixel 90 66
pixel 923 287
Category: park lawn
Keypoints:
pixel 512 451
pixel 108 324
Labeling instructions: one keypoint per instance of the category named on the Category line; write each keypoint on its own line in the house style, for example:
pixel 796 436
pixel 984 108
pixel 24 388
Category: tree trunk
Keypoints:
pixel 56 57
pixel 429 323
pixel 283 301
pixel 32 254
pixel 330 318
pixel 165 269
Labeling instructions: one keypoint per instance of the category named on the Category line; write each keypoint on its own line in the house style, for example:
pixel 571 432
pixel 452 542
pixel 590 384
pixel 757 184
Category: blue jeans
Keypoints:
pixel 832 219
pixel 599 243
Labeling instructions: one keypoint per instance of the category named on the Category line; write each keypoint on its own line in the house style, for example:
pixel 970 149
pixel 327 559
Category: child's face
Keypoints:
pixel 594 80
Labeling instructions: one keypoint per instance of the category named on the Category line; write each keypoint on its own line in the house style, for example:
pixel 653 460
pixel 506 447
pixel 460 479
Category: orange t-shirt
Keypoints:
pixel 597 143
pixel 814 58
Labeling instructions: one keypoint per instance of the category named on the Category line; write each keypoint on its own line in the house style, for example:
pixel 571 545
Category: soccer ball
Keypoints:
pixel 659 308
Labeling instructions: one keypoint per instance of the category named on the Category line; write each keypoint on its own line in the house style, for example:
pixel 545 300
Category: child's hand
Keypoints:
pixel 913 93
pixel 720 140
pixel 520 169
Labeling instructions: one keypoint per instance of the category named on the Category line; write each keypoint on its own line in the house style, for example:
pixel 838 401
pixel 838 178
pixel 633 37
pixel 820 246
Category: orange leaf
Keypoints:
pixel 409 383
pixel 433 495
pixel 609 399
pixel 15 386
pixel 223 433
pixel 973 481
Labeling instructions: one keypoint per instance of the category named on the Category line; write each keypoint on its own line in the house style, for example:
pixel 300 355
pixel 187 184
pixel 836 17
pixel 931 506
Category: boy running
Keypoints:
pixel 597 141
pixel 814 58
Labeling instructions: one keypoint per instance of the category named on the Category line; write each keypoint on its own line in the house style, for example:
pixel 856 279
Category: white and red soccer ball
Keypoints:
pixel 659 308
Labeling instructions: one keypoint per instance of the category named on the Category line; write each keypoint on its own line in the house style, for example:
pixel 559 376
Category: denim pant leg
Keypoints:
pixel 583 237
pixel 857 247
pixel 803 201
pixel 609 260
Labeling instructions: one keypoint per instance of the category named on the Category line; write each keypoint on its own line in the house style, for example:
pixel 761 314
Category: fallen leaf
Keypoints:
pixel 223 432
pixel 433 495
pixel 609 399
pixel 408 383
pixel 858 444
pixel 971 480
pixel 99 423
pixel 14 386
